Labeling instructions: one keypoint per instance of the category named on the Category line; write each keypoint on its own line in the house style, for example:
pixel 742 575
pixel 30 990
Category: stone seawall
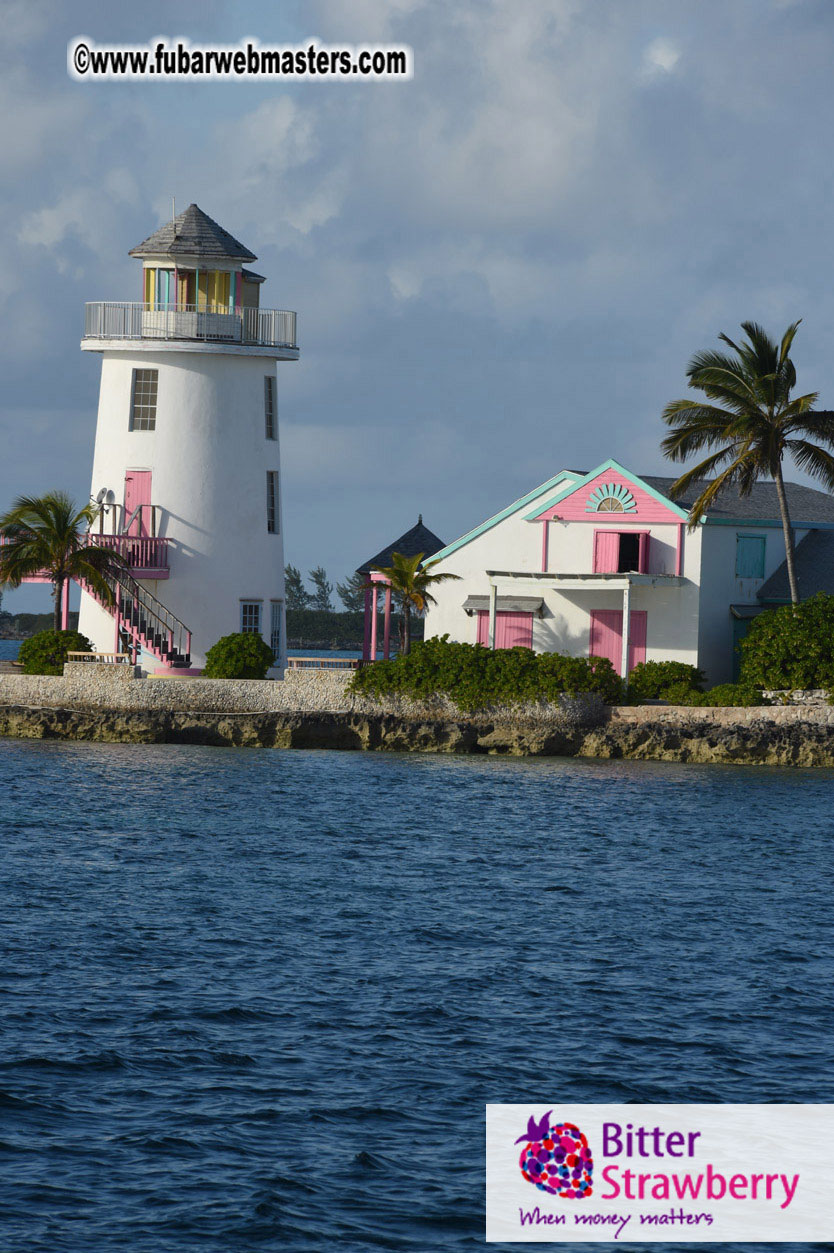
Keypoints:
pixel 777 736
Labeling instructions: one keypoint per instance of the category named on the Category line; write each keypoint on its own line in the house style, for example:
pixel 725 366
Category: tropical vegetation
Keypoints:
pixel 749 421
pixel 46 652
pixel 791 647
pixel 411 581
pixel 474 677
pixel 49 535
pixel 242 655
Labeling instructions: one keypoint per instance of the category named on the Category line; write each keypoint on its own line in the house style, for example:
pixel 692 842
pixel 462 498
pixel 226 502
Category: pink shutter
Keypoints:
pixel 606 552
pixel 483 627
pixel 607 635
pixel 514 630
pixel 643 559
pixel 636 638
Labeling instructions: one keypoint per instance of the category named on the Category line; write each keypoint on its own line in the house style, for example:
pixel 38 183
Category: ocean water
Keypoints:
pixel 259 999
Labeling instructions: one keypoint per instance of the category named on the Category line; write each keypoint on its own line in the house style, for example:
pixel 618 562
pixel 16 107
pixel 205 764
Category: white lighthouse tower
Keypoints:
pixel 186 466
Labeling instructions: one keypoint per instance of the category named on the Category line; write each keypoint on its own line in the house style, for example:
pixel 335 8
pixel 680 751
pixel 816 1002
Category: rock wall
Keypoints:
pixel 311 709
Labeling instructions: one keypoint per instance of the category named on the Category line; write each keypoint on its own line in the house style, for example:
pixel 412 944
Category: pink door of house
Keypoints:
pixel 512 630
pixel 607 637
pixel 137 493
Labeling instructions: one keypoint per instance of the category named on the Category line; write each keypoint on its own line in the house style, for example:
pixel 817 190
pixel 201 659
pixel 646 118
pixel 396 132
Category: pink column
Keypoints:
pixel 373 624
pixel 386 638
pixel 65 606
pixel 366 647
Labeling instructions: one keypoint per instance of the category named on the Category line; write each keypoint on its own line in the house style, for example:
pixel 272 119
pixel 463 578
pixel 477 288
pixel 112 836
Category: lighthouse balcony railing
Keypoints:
pixel 146 555
pixel 271 328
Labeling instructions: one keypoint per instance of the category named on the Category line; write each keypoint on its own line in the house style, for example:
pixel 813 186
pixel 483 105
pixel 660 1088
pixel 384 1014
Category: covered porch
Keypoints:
pixel 617 631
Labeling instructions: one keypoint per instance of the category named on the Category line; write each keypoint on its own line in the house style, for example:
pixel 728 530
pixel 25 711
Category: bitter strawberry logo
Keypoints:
pixel 557 1158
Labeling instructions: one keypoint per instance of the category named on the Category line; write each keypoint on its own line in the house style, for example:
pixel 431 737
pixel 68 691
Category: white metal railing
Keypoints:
pixel 101 659
pixel 272 328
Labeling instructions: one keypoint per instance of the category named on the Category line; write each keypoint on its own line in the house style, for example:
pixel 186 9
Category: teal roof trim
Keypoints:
pixel 505 513
pixel 610 464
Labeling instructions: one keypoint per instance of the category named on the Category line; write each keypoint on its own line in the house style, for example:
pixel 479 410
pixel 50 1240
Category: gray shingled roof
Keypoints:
pixel 193 233
pixel 814 569
pixel 418 540
pixel 806 504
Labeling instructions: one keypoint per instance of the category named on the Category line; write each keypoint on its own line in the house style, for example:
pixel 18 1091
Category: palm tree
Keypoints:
pixel 750 422
pixel 48 535
pixel 410 585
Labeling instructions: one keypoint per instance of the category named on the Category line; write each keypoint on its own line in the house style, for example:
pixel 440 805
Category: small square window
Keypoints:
pixel 750 556
pixel 250 617
pixel 143 400
pixel 272 501
pixel 269 406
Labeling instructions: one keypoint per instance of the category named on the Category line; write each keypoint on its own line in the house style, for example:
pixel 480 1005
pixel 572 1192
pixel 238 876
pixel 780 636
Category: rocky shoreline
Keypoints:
pixel 713 736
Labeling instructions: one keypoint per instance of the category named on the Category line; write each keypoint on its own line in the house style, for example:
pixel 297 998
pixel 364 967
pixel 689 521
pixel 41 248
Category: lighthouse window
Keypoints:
pixel 269 406
pixel 250 617
pixel 143 400
pixel 275 607
pixel 272 501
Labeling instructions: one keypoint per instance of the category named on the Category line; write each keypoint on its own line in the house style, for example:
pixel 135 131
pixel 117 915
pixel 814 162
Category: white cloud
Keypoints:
pixel 661 56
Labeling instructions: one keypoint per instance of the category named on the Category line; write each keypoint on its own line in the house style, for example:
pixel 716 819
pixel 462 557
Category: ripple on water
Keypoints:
pixel 259 1000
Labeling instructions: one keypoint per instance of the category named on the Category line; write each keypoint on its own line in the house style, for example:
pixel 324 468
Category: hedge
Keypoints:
pixel 46 652
pixel 791 647
pixel 474 677
pixel 242 655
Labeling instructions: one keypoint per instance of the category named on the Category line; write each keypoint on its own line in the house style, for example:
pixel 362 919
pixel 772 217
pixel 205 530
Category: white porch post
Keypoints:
pixel 626 627
pixel 493 602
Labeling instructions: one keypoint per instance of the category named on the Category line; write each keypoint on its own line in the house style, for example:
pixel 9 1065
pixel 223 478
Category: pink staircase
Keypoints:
pixel 143 622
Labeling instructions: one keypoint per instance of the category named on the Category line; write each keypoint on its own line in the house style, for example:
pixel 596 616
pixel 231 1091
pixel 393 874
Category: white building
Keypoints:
pixel 602 563
pixel 186 462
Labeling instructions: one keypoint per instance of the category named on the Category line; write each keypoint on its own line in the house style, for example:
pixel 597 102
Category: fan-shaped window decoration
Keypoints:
pixel 611 498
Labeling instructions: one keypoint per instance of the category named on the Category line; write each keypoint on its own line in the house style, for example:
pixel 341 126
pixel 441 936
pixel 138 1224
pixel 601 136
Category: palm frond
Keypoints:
pixel 813 460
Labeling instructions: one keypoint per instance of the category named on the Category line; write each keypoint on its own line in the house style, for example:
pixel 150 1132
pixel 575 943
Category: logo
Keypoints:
pixel 556 1158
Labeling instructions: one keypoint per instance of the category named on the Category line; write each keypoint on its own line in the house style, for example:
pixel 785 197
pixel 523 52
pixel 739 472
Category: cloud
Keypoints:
pixel 661 57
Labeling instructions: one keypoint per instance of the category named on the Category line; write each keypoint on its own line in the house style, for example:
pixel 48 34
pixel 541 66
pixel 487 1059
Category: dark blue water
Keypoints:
pixel 258 1000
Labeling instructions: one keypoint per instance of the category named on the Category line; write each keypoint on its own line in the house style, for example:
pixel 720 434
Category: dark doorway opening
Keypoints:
pixel 629 553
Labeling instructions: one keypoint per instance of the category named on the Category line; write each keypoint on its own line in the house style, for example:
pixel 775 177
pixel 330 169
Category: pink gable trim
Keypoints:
pixel 573 507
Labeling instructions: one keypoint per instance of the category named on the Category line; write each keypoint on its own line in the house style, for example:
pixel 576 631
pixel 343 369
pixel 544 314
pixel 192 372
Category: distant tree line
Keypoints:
pixel 319 596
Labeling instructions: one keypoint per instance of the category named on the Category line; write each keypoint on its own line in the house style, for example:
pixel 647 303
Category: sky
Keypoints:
pixel 500 267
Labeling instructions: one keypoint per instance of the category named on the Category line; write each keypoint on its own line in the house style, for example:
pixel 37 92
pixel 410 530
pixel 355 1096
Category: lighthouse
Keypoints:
pixel 186 470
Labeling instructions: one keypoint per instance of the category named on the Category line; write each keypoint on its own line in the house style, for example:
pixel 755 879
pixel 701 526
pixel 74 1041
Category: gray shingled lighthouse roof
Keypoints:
pixel 194 234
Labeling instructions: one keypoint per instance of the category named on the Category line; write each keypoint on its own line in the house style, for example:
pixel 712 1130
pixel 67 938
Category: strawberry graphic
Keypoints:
pixel 556 1158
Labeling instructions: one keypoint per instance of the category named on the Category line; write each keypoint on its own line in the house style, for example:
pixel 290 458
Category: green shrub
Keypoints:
pixel 651 680
pixel 679 694
pixel 791 647
pixel 243 655
pixel 46 652
pixel 474 677
pixel 727 695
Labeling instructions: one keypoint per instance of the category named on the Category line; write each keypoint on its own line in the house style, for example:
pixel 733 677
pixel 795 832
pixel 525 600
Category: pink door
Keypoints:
pixel 512 630
pixel 607 637
pixel 137 493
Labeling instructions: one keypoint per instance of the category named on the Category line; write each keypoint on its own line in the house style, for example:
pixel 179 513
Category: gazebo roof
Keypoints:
pixel 418 540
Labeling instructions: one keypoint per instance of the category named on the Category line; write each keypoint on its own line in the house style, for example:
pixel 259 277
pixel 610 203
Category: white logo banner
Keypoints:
pixel 672 1173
